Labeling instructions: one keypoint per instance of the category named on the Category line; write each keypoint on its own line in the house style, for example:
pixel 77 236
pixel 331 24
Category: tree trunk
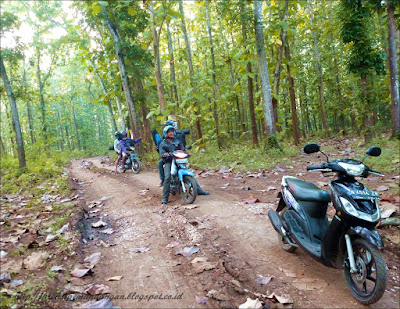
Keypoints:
pixel 295 120
pixel 60 126
pixel 76 127
pixel 277 76
pixel 364 94
pixel 42 104
pixel 122 70
pixel 263 67
pixel 319 74
pixel 156 47
pixel 394 77
pixel 28 107
pixel 172 67
pixel 191 70
pixel 215 110
pixel 15 117
pixel 250 87
pixel 145 111
pixel 121 115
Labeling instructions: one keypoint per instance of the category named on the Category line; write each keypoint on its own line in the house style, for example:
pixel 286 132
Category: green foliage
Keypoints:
pixel 357 29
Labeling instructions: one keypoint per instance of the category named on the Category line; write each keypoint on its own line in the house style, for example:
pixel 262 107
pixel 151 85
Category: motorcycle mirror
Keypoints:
pixel 311 148
pixel 374 151
pixel 189 147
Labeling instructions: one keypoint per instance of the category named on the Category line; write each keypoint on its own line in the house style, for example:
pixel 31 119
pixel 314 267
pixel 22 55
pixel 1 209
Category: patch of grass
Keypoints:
pixel 61 220
pixel 243 157
pixel 389 159
pixel 21 250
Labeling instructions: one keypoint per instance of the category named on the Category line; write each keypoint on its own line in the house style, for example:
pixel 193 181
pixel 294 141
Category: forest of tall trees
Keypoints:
pixel 74 72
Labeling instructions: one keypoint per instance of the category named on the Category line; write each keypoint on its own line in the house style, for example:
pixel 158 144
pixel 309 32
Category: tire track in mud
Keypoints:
pixel 243 244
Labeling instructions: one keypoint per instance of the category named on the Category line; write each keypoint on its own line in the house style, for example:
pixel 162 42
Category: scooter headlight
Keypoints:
pixel 348 207
pixel 352 169
pixel 351 210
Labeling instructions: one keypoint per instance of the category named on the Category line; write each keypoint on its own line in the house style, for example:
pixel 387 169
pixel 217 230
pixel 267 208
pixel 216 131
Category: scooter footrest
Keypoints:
pixel 300 237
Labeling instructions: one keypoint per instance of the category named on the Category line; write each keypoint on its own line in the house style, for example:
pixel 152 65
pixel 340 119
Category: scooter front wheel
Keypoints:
pixel 189 196
pixel 368 283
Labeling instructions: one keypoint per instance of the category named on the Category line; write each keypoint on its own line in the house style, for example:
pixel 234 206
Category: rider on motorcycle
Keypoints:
pixel 168 145
pixel 126 143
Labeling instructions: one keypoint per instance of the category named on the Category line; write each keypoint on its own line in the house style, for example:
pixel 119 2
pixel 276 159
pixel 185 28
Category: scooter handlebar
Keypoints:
pixel 310 168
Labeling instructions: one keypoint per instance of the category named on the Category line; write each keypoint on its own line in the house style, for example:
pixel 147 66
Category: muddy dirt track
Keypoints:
pixel 236 240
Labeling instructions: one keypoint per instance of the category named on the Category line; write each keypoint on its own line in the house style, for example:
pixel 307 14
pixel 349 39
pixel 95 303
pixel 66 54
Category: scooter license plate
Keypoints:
pixel 181 161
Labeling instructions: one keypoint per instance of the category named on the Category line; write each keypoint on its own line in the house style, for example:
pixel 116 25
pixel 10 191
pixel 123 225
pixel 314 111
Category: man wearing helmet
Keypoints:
pixel 171 143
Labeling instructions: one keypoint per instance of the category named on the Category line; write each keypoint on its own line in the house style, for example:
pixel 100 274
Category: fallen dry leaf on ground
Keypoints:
pixel 201 300
pixel 108 231
pixel 263 280
pixel 251 304
pixel 115 278
pixel 187 251
pixel 74 288
pixel 382 188
pixel 98 289
pixel 388 198
pixel 93 259
pixel 56 268
pixel 140 250
pixel 99 223
pixel 201 264
pixel 34 261
pixel 251 200
pixel 105 198
pixel 173 244
pixel 281 299
pixel 79 273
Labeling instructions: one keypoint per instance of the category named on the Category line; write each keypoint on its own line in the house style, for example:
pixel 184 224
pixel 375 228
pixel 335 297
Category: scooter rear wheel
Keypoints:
pixel 369 282
pixel 282 242
pixel 136 166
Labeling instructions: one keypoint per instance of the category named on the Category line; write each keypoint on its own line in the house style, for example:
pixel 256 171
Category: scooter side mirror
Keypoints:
pixel 311 148
pixel 374 151
pixel 189 147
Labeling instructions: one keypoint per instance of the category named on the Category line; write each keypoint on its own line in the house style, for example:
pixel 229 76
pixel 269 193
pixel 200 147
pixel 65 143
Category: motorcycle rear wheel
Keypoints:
pixel 369 283
pixel 282 242
pixel 191 189
pixel 136 165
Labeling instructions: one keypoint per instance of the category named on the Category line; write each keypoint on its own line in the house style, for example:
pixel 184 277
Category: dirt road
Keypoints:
pixel 236 238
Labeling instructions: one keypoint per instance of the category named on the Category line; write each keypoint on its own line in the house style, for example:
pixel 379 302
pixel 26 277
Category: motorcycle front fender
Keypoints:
pixel 372 235
pixel 184 172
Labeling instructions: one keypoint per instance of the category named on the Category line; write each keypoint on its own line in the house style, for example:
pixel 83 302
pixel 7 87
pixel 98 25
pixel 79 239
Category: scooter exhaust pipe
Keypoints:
pixel 277 223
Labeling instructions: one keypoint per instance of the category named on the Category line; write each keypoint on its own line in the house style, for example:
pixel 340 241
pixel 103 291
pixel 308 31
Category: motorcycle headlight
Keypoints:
pixel 352 169
pixel 350 209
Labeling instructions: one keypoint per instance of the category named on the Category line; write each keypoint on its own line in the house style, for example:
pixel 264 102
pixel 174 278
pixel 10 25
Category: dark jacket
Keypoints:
pixel 167 147
pixel 180 134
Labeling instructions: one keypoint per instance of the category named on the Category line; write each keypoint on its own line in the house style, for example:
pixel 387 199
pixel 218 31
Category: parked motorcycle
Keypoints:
pixel 182 179
pixel 350 240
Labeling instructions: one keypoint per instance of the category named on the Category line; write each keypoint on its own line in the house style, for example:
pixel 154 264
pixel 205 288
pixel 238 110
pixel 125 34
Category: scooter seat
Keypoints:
pixel 307 191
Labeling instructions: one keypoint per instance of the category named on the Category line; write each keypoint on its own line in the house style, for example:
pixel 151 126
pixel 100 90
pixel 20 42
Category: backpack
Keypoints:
pixel 156 138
